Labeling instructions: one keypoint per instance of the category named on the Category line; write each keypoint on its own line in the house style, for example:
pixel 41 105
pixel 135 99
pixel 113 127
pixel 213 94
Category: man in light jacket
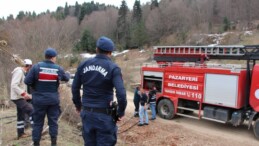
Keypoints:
pixel 19 95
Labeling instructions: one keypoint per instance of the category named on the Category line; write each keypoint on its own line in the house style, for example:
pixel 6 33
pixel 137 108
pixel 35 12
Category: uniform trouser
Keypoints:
pixel 23 107
pixel 136 103
pixel 143 114
pixel 52 112
pixel 153 110
pixel 98 129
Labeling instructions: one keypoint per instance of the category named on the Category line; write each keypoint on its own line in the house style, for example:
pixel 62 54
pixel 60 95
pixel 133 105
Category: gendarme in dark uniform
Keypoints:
pixel 98 76
pixel 44 78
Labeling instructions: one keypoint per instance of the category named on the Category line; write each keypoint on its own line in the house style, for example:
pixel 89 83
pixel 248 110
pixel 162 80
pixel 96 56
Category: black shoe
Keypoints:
pixel 145 123
pixel 23 135
pixel 53 141
pixel 36 143
pixel 152 119
pixel 140 124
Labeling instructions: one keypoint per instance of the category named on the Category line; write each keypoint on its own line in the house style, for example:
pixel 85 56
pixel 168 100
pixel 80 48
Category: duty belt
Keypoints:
pixel 98 110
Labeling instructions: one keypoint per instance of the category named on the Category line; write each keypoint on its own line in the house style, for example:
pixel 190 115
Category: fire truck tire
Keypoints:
pixel 256 128
pixel 166 109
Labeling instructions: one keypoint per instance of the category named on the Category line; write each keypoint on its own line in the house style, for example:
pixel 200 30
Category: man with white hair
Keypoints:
pixel 19 95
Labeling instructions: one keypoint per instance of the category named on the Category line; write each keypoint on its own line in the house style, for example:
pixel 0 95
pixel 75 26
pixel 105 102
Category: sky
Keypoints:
pixel 8 7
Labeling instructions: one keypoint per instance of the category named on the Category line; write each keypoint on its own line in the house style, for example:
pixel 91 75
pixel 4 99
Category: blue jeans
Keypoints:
pixel 142 114
pixel 153 110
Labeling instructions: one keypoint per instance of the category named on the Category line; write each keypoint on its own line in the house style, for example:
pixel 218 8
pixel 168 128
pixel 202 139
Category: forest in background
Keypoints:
pixel 74 29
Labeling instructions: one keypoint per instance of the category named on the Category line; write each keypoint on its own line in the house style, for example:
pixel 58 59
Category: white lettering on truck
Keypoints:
pixel 183 86
pixel 183 78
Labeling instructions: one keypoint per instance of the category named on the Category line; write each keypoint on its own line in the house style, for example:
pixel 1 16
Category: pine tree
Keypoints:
pixel 154 4
pixel 77 9
pixel 226 24
pixel 137 12
pixel 82 13
pixel 21 15
pixel 66 10
pixel 34 14
pixel 87 42
pixel 1 20
pixel 138 35
pixel 137 30
pixel 87 9
pixel 10 17
pixel 122 25
pixel 59 13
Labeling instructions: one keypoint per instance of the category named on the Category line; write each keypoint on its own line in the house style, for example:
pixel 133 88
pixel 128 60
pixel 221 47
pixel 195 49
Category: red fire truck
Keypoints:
pixel 188 85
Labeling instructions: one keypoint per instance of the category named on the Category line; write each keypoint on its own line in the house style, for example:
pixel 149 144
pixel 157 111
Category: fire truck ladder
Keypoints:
pixel 200 54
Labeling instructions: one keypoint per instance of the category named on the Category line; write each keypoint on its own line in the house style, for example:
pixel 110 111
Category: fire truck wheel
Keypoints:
pixel 256 128
pixel 166 109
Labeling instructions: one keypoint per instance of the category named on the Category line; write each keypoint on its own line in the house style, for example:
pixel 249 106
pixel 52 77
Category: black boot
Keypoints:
pixel 36 143
pixel 53 141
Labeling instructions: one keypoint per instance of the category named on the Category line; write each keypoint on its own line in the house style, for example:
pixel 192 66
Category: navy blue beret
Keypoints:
pixel 51 52
pixel 105 44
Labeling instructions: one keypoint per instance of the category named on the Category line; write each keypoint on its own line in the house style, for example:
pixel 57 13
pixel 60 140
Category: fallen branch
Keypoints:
pixel 7 117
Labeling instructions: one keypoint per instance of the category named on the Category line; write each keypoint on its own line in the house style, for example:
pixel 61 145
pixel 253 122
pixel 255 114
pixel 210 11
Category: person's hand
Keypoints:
pixel 78 110
pixel 68 74
pixel 120 119
pixel 26 96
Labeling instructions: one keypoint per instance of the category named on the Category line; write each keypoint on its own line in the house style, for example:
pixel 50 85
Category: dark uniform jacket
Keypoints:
pixel 152 97
pixel 136 95
pixel 99 76
pixel 143 99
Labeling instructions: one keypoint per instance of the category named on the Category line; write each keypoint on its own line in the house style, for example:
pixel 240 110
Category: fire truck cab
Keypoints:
pixel 191 87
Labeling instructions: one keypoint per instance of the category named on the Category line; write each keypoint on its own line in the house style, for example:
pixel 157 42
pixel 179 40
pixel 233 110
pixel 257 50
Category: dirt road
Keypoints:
pixel 185 131
pixel 180 131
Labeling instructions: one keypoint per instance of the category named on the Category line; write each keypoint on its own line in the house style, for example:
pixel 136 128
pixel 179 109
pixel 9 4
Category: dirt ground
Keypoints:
pixel 183 131
pixel 180 131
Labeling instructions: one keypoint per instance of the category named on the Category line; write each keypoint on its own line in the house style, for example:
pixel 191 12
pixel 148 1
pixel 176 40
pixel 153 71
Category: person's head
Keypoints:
pixel 50 54
pixel 142 90
pixel 28 64
pixel 104 45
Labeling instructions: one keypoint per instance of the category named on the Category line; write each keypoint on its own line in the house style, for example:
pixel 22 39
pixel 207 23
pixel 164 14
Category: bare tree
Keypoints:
pixel 101 22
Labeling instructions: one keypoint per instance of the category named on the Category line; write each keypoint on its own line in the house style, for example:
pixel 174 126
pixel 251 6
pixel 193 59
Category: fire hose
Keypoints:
pixel 14 57
pixel 127 121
